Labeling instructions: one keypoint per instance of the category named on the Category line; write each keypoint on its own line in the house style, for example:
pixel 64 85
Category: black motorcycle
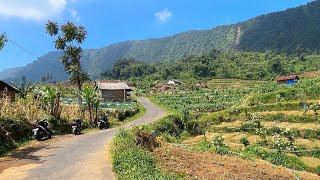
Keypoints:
pixel 76 127
pixel 41 130
pixel 103 123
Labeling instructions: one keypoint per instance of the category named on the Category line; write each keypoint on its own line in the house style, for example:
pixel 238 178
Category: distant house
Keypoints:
pixel 173 82
pixel 114 90
pixel 7 91
pixel 291 79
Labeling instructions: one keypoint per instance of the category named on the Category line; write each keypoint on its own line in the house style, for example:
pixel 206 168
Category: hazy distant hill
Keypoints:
pixel 9 73
pixel 281 31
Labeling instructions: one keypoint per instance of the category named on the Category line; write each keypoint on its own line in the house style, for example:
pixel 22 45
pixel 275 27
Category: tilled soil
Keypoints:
pixel 205 165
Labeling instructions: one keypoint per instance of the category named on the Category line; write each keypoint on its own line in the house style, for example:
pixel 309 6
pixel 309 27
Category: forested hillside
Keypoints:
pixel 215 64
pixel 292 31
pixel 283 31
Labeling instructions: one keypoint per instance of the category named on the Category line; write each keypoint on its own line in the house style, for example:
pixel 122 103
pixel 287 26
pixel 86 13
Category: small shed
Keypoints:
pixel 7 90
pixel 114 90
pixel 291 79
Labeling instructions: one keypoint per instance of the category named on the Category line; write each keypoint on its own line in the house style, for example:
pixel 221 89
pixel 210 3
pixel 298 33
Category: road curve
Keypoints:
pixel 81 157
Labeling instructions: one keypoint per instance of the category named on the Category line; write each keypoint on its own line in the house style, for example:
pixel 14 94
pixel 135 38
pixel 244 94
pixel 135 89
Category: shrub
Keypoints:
pixel 13 131
pixel 59 126
pixel 195 127
pixel 244 140
pixel 124 114
pixel 146 140
pixel 171 124
pixel 219 145
pixel 251 125
pixel 317 170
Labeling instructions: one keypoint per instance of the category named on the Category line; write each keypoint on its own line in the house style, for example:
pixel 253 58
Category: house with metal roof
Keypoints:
pixel 7 90
pixel 291 79
pixel 113 90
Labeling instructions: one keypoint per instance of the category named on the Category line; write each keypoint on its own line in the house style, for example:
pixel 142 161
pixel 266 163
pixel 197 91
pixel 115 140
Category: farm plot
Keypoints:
pixel 214 96
pixel 257 121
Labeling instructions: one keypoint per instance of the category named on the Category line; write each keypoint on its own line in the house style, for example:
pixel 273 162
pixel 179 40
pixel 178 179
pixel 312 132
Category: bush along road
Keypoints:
pixel 79 157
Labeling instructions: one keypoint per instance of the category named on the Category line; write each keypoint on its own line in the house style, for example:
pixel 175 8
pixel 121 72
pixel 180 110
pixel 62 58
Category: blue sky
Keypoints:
pixel 111 21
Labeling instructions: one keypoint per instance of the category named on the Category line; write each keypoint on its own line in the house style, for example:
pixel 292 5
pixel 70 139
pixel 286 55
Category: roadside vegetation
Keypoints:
pixel 59 106
pixel 132 161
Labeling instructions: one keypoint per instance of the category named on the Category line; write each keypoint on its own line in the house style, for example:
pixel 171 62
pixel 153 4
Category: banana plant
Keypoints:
pixel 90 95
pixel 51 98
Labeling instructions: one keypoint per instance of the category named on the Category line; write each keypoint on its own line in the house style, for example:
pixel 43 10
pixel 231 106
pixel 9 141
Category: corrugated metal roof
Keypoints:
pixel 105 85
pixel 10 86
pixel 285 78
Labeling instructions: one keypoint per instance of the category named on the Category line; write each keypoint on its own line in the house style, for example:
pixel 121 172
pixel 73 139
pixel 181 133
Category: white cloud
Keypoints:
pixel 163 15
pixel 74 15
pixel 35 9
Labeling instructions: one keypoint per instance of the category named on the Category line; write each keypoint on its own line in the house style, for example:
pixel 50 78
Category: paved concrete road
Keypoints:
pixel 81 157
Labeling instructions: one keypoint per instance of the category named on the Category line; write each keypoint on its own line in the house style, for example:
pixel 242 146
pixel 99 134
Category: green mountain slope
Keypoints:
pixel 282 31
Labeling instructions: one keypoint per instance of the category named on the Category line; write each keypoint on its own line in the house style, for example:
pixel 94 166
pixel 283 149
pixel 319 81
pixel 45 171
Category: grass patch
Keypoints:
pixel 276 158
pixel 131 161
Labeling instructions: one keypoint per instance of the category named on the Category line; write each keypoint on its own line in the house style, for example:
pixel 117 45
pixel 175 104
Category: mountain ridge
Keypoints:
pixel 281 31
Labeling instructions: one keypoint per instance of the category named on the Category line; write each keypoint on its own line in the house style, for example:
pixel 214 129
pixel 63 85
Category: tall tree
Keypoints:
pixel 3 40
pixel 69 38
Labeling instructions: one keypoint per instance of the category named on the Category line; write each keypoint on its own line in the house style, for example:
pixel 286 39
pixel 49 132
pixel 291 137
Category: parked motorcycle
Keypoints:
pixel 76 127
pixel 41 130
pixel 103 123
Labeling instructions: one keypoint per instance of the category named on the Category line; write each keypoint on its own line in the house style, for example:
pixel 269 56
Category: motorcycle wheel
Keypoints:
pixel 39 136
pixel 78 131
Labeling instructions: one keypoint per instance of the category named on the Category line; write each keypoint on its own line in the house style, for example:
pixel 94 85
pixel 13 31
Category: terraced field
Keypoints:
pixel 215 95
pixel 253 120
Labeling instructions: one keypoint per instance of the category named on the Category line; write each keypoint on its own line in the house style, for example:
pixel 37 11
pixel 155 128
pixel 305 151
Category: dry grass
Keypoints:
pixel 299 126
pixel 21 109
pixel 311 161
pixel 69 112
pixel 235 124
pixel 33 110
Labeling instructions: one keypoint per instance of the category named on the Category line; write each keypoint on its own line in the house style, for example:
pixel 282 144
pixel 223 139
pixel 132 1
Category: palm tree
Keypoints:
pixel 3 40
pixel 69 39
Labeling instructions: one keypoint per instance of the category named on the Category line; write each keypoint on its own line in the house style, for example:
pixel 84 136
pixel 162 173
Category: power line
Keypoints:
pixel 30 52
pixel 24 49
